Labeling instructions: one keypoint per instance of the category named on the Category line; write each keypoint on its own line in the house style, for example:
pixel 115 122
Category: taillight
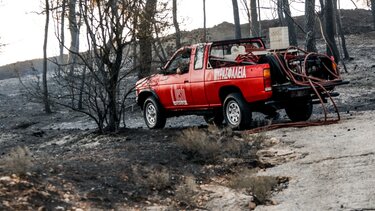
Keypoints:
pixel 267 80
pixel 334 65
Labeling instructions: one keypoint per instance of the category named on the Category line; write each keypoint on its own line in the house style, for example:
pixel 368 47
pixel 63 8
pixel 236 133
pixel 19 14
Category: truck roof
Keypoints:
pixel 238 40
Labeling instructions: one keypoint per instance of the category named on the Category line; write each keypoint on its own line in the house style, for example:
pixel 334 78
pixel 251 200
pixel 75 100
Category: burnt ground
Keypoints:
pixel 66 165
pixel 48 165
pixel 81 169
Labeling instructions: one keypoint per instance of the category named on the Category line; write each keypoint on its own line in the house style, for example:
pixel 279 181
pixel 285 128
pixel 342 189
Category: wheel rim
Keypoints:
pixel 151 114
pixel 233 113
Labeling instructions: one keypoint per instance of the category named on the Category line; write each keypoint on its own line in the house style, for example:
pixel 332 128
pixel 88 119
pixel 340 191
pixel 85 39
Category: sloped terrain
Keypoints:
pixel 59 162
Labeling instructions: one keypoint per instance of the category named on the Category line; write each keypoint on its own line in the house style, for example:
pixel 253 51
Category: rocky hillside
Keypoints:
pixel 354 22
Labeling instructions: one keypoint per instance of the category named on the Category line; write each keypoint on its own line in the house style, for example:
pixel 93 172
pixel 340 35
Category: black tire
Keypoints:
pixel 216 118
pixel 299 110
pixel 237 113
pixel 153 113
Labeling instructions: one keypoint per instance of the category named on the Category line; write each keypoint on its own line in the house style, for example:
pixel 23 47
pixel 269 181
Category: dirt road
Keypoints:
pixel 338 172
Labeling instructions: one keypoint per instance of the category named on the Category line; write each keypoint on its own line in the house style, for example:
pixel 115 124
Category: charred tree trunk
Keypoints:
pixel 81 89
pixel 236 16
pixel 322 9
pixel 74 44
pixel 254 18
pixel 47 107
pixel 135 44
pixel 62 36
pixel 158 46
pixel 204 22
pixel 113 61
pixel 290 23
pixel 285 18
pixel 340 31
pixel 114 118
pixel 145 38
pixel 310 25
pixel 176 25
pixel 280 13
pixel 373 11
pixel 332 49
pixel 74 35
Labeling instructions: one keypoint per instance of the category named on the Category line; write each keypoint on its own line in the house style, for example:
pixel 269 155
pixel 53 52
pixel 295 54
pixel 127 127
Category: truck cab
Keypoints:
pixel 223 81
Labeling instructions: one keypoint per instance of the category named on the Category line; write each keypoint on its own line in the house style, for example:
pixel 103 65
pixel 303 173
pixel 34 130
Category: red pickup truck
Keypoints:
pixel 225 81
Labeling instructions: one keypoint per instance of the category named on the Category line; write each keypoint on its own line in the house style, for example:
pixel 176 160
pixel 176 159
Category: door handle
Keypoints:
pixel 186 81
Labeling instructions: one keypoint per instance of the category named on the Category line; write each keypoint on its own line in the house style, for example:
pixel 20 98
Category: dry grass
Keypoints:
pixel 211 145
pixel 185 193
pixel 159 180
pixel 152 179
pixel 260 186
pixel 19 161
pixel 256 137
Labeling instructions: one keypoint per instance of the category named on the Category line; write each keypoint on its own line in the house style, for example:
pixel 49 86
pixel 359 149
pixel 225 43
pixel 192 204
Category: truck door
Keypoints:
pixel 197 82
pixel 174 88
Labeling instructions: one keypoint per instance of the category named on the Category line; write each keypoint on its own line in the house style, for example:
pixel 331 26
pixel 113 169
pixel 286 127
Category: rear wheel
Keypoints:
pixel 237 113
pixel 299 110
pixel 152 113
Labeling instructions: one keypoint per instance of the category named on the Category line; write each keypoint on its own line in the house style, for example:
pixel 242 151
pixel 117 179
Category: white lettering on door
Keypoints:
pixel 229 73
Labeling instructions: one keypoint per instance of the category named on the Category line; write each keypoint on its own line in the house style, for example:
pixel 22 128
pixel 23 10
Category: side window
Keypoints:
pixel 198 63
pixel 180 63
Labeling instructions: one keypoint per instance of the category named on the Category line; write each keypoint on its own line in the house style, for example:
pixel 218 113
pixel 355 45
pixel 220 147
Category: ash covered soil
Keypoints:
pixel 58 162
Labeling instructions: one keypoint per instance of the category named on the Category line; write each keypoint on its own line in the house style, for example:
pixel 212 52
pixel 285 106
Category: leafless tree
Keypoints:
pixel 290 23
pixel 255 24
pixel 134 41
pixel 252 16
pixel 158 45
pixel 236 17
pixel 280 12
pixel 340 31
pixel 74 30
pixel 60 19
pixel 329 25
pixel 204 22
pixel 145 37
pixel 105 65
pixel 286 19
pixel 310 25
pixel 176 25
pixel 46 101
pixel 373 11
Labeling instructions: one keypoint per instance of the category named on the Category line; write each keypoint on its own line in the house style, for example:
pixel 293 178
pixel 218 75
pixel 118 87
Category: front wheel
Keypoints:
pixel 237 113
pixel 299 110
pixel 152 114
